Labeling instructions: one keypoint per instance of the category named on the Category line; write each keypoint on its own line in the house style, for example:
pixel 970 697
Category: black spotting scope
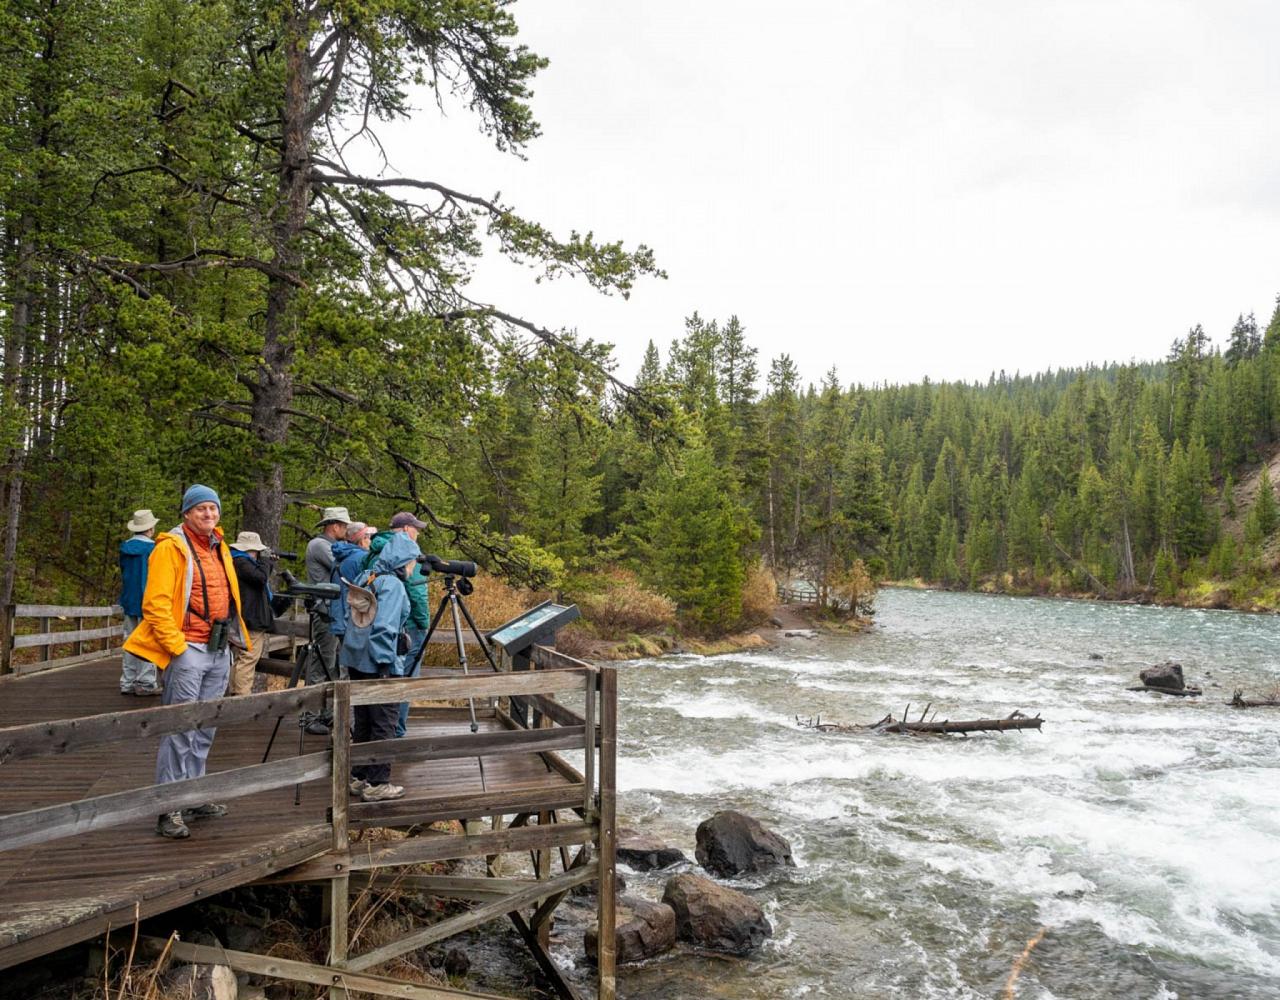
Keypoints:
pixel 319 591
pixel 449 567
pixel 291 556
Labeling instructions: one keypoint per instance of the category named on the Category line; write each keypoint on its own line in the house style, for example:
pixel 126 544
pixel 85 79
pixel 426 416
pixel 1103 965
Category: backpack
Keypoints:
pixel 362 603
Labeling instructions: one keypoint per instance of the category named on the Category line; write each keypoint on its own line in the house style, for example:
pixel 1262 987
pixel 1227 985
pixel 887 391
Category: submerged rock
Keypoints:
pixel 642 929
pixel 645 853
pixel 1166 675
pixel 731 843
pixel 714 916
pixel 456 963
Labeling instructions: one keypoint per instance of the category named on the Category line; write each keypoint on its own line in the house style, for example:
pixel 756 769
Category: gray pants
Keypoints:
pixel 322 662
pixel 196 675
pixel 136 671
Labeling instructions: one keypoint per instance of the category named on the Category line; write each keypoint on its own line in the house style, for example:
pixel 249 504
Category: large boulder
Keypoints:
pixel 714 916
pixel 645 853
pixel 1163 675
pixel 642 929
pixel 732 843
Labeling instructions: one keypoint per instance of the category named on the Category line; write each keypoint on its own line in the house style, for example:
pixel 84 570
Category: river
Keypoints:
pixel 1141 832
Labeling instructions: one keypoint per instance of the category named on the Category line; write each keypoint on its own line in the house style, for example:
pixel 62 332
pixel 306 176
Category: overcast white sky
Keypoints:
pixel 901 188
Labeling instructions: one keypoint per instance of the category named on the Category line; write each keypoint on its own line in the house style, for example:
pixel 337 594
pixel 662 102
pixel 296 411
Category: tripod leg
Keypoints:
pixel 412 669
pixel 294 677
pixel 484 643
pixel 462 658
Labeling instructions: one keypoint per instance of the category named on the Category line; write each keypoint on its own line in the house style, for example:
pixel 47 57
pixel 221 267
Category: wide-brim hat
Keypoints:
pixel 249 541
pixel 334 515
pixel 142 520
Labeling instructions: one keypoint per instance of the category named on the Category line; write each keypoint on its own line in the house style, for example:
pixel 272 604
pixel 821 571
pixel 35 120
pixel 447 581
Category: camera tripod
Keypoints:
pixel 455 588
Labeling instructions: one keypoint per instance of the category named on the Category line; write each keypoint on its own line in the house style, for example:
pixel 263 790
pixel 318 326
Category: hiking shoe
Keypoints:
pixel 145 691
pixel 170 825
pixel 358 787
pixel 316 727
pixel 209 810
pixel 382 793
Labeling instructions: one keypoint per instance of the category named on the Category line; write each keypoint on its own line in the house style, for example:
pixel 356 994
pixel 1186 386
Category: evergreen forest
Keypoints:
pixel 203 280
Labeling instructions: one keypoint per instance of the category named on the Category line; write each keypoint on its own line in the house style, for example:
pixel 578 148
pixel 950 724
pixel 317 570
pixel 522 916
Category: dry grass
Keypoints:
pixel 378 915
pixel 622 606
pixel 759 595
pixel 493 602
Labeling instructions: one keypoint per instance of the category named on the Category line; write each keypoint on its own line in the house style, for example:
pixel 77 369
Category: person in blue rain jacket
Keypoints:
pixel 376 649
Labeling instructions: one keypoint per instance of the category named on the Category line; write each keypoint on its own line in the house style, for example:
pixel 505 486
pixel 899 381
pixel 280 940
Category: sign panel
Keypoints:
pixel 533 626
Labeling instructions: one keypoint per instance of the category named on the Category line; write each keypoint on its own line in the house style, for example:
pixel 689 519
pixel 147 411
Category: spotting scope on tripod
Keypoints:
pixel 296 590
pixel 457 575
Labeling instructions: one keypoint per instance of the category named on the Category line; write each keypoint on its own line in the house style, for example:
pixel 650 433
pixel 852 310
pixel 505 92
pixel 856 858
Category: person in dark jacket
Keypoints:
pixel 137 676
pixel 253 562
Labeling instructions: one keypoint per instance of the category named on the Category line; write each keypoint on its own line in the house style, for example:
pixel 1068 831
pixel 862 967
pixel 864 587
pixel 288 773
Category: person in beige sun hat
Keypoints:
pixel 137 676
pixel 254 563
pixel 322 652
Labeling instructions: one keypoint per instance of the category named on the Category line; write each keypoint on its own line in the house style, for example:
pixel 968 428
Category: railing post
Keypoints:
pixel 46 626
pixel 6 639
pixel 606 949
pixel 589 753
pixel 339 886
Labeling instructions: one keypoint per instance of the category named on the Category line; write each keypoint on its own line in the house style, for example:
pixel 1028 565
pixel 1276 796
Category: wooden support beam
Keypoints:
pixel 406 812
pixel 606 844
pixel 340 775
pixel 564 989
pixel 465 921
pixel 546 658
pixel 443 886
pixel 484 685
pixel 467 745
pixel 74 818
pixel 437 847
pixel 304 972
pixel 42 738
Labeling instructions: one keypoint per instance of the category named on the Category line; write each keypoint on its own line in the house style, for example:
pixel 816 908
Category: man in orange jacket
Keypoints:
pixel 190 620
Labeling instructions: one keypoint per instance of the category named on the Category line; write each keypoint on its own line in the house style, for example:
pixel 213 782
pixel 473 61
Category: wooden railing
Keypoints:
pixel 15 637
pixel 589 794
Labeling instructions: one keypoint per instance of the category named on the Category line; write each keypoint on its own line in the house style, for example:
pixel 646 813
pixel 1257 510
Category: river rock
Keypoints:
pixel 731 843
pixel 204 982
pixel 645 853
pixel 456 963
pixel 642 929
pixel 1166 675
pixel 714 916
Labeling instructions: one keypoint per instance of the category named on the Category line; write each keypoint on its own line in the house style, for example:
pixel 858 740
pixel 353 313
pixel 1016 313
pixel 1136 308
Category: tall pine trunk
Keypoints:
pixel 273 393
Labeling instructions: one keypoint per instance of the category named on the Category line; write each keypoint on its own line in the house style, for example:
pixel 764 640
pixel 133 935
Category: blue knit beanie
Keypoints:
pixel 199 494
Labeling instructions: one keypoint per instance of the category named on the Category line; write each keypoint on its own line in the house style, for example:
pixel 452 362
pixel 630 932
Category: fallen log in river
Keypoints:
pixel 1238 700
pixel 889 724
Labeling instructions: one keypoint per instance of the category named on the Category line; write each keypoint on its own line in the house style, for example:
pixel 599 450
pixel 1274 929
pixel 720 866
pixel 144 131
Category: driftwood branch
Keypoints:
pixel 889 724
pixel 1238 700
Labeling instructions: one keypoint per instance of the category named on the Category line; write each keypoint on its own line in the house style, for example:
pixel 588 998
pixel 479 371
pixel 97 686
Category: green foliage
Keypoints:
pixel 693 542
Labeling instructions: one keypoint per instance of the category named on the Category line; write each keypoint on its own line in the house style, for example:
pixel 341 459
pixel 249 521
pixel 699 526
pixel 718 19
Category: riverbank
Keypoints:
pixel 1259 596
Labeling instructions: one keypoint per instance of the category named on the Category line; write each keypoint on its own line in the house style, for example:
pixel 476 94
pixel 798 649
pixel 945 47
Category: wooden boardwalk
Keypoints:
pixel 60 891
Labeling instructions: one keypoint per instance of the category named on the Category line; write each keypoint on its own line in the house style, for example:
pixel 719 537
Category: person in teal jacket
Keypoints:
pixel 373 650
